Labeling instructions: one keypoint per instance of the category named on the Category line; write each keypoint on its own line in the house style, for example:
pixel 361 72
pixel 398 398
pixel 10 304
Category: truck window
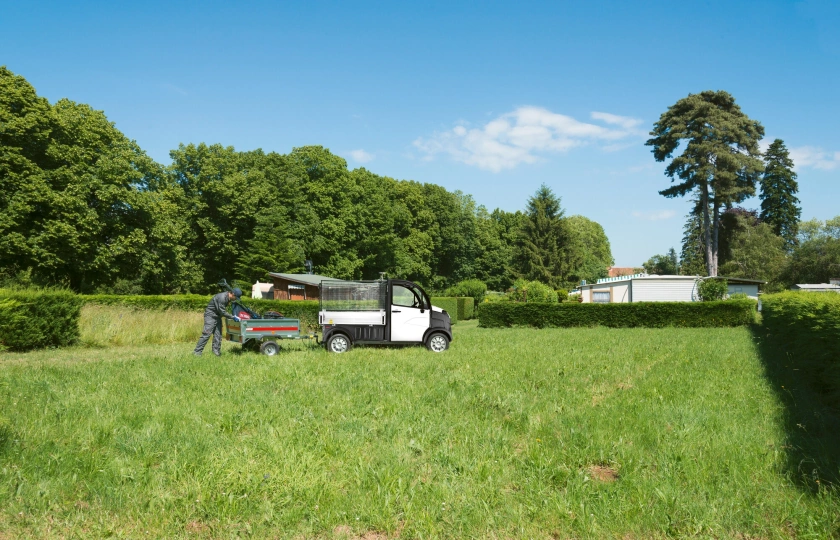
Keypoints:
pixel 403 296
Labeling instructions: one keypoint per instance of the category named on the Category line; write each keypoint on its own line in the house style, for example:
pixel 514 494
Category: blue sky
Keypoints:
pixel 492 99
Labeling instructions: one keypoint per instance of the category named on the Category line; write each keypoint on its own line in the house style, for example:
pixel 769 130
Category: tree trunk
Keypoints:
pixel 713 272
pixel 707 229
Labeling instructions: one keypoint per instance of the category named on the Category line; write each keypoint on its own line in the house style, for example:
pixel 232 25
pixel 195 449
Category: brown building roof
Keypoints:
pixel 616 271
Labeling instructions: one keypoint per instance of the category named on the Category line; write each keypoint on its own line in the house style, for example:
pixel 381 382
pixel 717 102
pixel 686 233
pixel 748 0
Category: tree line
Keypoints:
pixel 720 166
pixel 85 207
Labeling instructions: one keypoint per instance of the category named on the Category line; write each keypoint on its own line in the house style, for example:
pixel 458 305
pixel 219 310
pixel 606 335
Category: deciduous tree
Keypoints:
pixel 663 265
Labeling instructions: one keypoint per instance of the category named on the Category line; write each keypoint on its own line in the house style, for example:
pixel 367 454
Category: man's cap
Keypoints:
pixel 237 292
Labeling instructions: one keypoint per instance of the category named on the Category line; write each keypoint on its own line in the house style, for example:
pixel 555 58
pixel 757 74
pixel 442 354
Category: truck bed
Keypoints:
pixel 372 317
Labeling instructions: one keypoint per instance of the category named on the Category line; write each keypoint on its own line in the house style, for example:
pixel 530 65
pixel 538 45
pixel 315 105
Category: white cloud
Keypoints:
pixel 521 136
pixel 812 156
pixel 360 156
pixel 656 215
pixel 624 121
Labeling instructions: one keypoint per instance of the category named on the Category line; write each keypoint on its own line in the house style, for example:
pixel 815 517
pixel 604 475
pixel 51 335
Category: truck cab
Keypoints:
pixel 384 312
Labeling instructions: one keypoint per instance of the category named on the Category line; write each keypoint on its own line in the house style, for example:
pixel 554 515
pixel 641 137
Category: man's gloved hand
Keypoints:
pixel 237 319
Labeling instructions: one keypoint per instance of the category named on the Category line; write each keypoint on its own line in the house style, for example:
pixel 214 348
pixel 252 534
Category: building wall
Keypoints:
pixel 619 291
pixel 750 289
pixel 663 290
pixel 283 292
pixel 657 290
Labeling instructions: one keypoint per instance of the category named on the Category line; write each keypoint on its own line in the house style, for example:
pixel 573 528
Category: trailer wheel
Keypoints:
pixel 269 348
pixel 339 343
pixel 437 342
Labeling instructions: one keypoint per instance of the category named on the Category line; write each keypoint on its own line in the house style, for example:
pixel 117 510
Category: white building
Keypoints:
pixel 832 286
pixel 653 288
pixel 262 290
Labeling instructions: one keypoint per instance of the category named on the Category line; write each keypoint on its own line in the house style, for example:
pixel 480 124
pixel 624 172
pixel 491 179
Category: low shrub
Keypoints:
pixel 495 296
pixel 713 289
pixel 305 310
pixel 532 291
pixel 448 304
pixel 474 288
pixel 807 326
pixel 562 295
pixel 38 318
pixel 633 315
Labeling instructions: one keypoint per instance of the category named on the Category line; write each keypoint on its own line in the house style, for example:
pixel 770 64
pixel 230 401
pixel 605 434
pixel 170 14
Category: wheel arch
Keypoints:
pixel 431 331
pixel 333 331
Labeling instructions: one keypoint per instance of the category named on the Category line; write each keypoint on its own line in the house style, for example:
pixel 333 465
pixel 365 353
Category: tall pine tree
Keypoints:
pixel 692 255
pixel 539 248
pixel 779 204
pixel 720 160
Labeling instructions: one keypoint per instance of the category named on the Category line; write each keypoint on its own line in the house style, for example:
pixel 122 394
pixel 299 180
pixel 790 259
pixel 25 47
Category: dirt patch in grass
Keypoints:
pixel 345 532
pixel 602 473
pixel 197 527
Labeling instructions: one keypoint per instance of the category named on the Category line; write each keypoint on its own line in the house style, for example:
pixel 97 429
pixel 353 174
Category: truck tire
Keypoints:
pixel 269 348
pixel 437 342
pixel 339 343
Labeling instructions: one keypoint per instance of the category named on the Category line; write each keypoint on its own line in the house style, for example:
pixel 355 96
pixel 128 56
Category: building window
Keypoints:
pixel 601 297
pixel 297 292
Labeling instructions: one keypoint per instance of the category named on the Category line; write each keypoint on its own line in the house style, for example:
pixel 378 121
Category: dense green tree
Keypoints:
pixel 817 257
pixel 663 265
pixel 76 206
pixel 720 160
pixel 734 221
pixel 222 191
pixel 496 235
pixel 587 251
pixel 755 252
pixel 779 204
pixel 269 249
pixel 539 249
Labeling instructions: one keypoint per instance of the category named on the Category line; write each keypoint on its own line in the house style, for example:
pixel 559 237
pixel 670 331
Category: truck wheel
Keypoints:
pixel 269 348
pixel 339 343
pixel 437 342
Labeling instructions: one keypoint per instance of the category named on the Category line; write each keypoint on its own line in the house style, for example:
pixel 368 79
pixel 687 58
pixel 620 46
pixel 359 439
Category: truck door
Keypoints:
pixel 410 315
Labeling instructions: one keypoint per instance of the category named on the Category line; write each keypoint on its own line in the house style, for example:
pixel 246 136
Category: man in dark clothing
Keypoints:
pixel 213 315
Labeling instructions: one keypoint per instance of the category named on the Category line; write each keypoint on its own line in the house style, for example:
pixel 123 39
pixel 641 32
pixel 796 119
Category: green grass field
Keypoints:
pixel 515 433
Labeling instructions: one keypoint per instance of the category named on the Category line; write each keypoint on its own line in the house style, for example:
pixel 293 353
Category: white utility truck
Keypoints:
pixel 384 312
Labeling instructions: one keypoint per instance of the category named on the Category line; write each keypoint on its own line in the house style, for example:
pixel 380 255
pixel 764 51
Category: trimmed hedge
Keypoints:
pixel 305 310
pixel 466 308
pixel 34 319
pixel 807 326
pixel 632 315
pixel 447 303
